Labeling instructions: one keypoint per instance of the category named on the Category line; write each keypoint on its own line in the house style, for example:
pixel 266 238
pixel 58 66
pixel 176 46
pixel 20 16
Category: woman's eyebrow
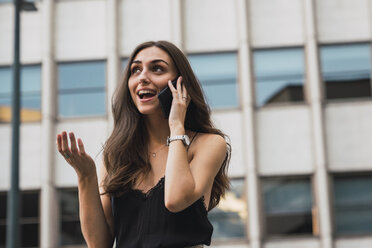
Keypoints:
pixel 152 62
pixel 159 60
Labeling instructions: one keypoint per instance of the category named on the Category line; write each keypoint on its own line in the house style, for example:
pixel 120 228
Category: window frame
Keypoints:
pixel 238 85
pixel 351 174
pixel 242 240
pixel 25 220
pixel 104 116
pixel 20 81
pixel 305 86
pixel 314 208
pixel 61 219
pixel 323 83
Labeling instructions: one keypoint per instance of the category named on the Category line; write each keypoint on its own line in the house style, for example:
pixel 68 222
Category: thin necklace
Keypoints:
pixel 153 154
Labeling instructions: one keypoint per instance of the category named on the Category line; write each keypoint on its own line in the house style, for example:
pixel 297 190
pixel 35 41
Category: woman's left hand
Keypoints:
pixel 180 102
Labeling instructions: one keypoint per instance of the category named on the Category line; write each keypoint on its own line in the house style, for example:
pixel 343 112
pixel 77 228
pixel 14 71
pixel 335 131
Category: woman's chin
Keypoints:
pixel 149 111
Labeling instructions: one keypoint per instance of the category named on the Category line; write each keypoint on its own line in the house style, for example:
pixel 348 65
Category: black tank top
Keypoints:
pixel 143 221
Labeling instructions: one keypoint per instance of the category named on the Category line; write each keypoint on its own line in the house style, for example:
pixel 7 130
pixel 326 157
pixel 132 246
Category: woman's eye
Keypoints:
pixel 157 68
pixel 135 69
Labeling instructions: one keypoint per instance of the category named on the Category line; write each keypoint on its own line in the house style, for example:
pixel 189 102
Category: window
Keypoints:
pixel 217 75
pixel 81 89
pixel 279 75
pixel 287 206
pixel 353 204
pixel 346 70
pixel 229 217
pixel 30 80
pixel 70 231
pixel 29 219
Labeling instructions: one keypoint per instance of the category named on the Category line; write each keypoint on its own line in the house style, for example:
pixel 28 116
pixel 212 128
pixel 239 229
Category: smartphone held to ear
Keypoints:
pixel 165 99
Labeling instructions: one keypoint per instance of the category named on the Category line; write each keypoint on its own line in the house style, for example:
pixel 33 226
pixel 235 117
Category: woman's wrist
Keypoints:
pixel 177 129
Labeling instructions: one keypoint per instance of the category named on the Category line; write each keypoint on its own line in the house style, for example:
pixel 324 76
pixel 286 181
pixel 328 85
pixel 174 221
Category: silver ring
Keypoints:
pixel 184 97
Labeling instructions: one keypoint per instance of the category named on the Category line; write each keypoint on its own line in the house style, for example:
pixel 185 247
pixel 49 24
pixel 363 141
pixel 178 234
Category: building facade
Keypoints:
pixel 288 80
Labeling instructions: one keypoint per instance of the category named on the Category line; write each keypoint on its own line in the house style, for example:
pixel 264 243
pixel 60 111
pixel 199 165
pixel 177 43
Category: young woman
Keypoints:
pixel 161 175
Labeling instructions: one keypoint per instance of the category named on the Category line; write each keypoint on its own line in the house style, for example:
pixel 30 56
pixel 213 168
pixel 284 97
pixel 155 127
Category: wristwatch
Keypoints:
pixel 185 139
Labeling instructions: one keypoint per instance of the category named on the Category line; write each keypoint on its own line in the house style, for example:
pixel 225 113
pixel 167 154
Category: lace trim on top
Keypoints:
pixel 160 184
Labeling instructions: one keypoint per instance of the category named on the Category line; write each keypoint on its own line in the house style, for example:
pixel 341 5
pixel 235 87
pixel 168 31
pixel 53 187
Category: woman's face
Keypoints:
pixel 150 71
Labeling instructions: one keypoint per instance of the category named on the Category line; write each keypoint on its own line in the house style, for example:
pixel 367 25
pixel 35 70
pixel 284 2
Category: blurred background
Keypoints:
pixel 288 80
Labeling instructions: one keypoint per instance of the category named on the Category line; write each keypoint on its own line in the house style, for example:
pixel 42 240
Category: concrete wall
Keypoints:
pixel 284 141
pixel 276 23
pixel 82 35
pixel 93 134
pixel 30 156
pixel 343 20
pixel 349 136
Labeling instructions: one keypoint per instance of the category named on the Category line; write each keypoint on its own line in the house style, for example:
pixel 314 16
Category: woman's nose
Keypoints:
pixel 144 77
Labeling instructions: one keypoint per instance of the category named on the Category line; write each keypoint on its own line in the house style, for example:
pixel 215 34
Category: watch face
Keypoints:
pixel 186 140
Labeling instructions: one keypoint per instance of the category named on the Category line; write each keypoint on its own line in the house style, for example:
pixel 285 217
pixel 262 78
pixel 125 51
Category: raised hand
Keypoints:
pixel 75 155
pixel 180 102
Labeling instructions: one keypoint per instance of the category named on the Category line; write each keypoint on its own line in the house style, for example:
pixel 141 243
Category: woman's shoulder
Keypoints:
pixel 203 141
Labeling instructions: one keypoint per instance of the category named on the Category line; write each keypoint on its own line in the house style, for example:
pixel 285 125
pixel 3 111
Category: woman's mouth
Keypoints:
pixel 146 95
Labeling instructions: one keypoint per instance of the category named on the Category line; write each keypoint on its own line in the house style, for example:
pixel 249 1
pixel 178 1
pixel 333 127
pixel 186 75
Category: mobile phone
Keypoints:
pixel 165 99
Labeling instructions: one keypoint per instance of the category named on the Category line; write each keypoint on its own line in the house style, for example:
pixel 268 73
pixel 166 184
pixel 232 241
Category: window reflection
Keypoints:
pixel 30 81
pixel 279 75
pixel 346 70
pixel 81 89
pixel 229 217
pixel 29 219
pixel 353 204
pixel 70 231
pixel 218 75
pixel 288 206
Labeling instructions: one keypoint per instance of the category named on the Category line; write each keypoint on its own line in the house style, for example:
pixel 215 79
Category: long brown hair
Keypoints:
pixel 125 152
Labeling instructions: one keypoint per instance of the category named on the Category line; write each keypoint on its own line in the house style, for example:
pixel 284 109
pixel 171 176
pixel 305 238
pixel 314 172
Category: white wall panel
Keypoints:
pixel 284 140
pixel 230 123
pixel 94 135
pixel 6 31
pixel 30 43
pixel 360 242
pixel 5 153
pixel 343 20
pixel 290 243
pixel 31 36
pixel 349 135
pixel 276 23
pixel 30 154
pixel 210 28
pixel 143 20
pixel 80 30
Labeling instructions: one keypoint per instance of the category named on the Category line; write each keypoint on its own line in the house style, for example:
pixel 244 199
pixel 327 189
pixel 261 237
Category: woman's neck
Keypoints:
pixel 158 129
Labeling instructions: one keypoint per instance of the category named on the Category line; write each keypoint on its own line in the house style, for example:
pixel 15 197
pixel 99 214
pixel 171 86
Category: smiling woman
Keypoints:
pixel 158 184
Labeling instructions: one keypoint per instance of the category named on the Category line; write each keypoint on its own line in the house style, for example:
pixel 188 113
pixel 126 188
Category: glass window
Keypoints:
pixel 30 80
pixel 353 204
pixel 346 70
pixel 279 75
pixel 82 89
pixel 218 75
pixel 229 217
pixel 29 219
pixel 70 230
pixel 288 206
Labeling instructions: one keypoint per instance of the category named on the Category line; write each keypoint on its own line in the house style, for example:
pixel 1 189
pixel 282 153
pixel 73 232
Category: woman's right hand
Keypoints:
pixel 75 155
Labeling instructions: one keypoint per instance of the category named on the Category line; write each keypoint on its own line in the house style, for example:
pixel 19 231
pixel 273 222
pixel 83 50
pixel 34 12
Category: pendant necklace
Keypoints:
pixel 153 154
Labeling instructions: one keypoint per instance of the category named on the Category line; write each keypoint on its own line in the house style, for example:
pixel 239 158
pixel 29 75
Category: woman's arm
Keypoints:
pixel 96 229
pixel 186 182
